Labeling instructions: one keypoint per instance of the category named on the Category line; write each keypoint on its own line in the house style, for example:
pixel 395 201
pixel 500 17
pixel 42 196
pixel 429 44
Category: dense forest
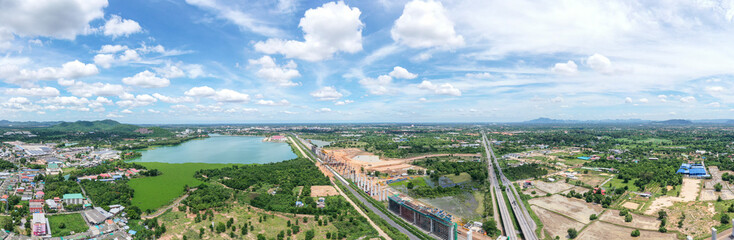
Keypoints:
pixel 645 171
pixel 477 170
pixel 104 194
pixel 524 171
pixel 207 196
pixel 56 186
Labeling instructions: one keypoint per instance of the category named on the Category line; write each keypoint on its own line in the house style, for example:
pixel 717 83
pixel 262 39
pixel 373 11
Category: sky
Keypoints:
pixel 293 61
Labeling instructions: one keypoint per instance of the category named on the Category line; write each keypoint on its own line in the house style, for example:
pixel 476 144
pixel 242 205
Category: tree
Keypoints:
pixel 724 219
pixel 310 234
pixel 624 212
pixel 628 218
pixel 572 233
pixel 593 217
pixel 717 187
pixel 133 212
pixel 410 185
pixel 662 214
pixel 62 225
pixel 221 227
pixel 490 227
pixel 635 233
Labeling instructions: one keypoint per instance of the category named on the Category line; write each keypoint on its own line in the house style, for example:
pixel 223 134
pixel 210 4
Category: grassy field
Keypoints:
pixel 73 223
pixel 179 225
pixel 463 177
pixel 617 183
pixel 416 183
pixel 154 192
pixel 655 141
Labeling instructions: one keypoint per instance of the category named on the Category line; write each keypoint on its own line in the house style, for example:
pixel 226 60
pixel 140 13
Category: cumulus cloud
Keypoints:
pixel 568 68
pixel 442 89
pixel 78 88
pixel 130 100
pixel 167 99
pixel 424 24
pixel 328 29
pixel 688 99
pixel 644 100
pixel 326 94
pixel 33 92
pixel 112 48
pixel 146 79
pixel 116 26
pixel 223 95
pixel 628 100
pixel 399 72
pixel 282 102
pixel 106 60
pixel 71 70
pixel 180 70
pixel 663 98
pixel 63 19
pixel 379 86
pixel 600 63
pixel 714 105
pixel 345 102
pixel 323 110
pixel 280 75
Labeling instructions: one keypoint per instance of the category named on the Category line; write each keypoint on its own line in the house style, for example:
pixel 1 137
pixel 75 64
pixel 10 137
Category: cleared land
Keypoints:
pixel 638 221
pixel 321 191
pixel 631 205
pixel 570 207
pixel 72 223
pixel 603 231
pixel 155 192
pixel 554 224
pixel 688 193
pixel 552 187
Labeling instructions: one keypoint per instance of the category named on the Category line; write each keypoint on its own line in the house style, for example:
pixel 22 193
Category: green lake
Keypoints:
pixel 221 149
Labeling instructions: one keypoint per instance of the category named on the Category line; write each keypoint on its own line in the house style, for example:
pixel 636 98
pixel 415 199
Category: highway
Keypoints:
pixel 527 225
pixel 359 197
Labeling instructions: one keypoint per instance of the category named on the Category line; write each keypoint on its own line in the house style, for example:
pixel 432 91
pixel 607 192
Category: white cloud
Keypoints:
pixel 112 48
pixel 323 110
pixel 628 100
pixel 380 86
pixel 714 105
pixel 644 100
pixel 126 111
pixel 556 99
pixel 600 63
pixel 33 92
pixel 168 99
pixel 70 70
pixel 425 24
pixel 688 99
pixel 104 60
pixel 116 26
pixel 129 100
pixel 64 19
pixel 280 75
pixel 153 111
pixel 568 68
pixel 244 20
pixel 399 72
pixel 326 94
pixel 328 29
pixel 282 102
pixel 663 98
pixel 481 75
pixel 146 79
pixel 180 70
pixel 78 88
pixel 203 91
pixel 223 95
pixel 345 102
pixel 443 89
pixel 112 115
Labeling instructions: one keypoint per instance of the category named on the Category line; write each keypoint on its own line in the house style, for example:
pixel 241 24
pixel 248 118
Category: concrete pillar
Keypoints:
pixel 713 233
pixel 468 235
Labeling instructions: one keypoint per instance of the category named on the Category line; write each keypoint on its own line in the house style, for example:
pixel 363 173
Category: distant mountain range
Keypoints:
pixel 630 121
pixel 89 126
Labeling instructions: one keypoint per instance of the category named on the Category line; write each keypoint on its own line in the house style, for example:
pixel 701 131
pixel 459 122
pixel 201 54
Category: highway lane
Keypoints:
pixel 509 228
pixel 359 197
pixel 527 225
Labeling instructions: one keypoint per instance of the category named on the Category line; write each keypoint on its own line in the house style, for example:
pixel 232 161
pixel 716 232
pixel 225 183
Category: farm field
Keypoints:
pixel 619 183
pixel 72 223
pixel 462 177
pixel 638 221
pixel 154 192
pixel 552 187
pixel 602 231
pixel 570 207
pixel 555 224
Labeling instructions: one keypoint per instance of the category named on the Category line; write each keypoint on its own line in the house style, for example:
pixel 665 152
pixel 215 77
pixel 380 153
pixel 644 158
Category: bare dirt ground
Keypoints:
pixel 709 194
pixel 552 187
pixel 638 221
pixel 410 160
pixel 577 189
pixel 688 193
pixel 603 231
pixel 577 209
pixel 322 191
pixel 592 179
pixel 698 221
pixel 347 155
pixel 631 205
pixel 555 224
pixel 538 192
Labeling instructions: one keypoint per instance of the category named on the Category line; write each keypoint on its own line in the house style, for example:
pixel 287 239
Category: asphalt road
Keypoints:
pixel 509 228
pixel 527 225
pixel 364 201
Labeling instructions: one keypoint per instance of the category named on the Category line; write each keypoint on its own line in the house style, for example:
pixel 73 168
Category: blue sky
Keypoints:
pixel 273 61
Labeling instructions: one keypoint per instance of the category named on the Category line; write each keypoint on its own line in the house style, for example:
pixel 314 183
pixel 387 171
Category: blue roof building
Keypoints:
pixel 693 170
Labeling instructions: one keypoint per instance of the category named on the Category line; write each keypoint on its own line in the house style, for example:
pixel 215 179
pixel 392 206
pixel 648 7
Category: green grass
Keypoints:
pixel 73 222
pixel 617 183
pixel 656 141
pixel 155 192
pixel 417 182
pixel 463 177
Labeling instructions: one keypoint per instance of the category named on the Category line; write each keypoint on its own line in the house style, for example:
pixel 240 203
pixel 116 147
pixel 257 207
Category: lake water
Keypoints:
pixel 221 149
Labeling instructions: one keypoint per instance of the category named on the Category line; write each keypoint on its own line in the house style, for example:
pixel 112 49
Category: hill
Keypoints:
pixel 109 126
pixel 675 122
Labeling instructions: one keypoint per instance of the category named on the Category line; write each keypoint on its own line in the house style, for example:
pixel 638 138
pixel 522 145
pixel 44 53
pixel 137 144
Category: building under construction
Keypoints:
pixel 421 217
